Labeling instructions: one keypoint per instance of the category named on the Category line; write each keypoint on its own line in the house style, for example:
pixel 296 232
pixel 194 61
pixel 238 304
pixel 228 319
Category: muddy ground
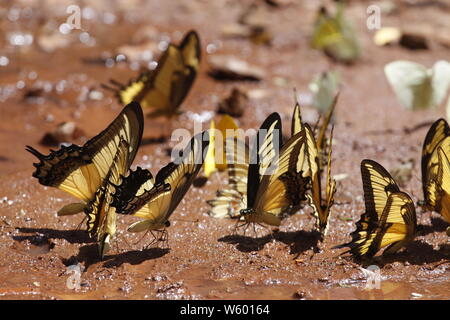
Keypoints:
pixel 40 89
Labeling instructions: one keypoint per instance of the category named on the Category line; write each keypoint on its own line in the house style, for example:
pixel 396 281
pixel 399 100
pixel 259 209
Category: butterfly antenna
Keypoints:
pixel 106 87
pixel 295 95
pixel 182 220
pixel 116 83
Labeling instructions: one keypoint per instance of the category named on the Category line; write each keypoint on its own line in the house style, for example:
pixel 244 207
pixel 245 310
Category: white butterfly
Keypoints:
pixel 416 86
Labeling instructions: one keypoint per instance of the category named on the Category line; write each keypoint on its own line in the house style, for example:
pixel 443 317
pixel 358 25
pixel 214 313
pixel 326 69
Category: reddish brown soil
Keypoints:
pixel 205 260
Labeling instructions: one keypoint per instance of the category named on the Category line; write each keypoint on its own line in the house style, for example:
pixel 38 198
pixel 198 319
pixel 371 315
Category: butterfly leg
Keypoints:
pixel 153 241
pixel 79 225
pixel 142 237
pixel 126 241
pixel 164 238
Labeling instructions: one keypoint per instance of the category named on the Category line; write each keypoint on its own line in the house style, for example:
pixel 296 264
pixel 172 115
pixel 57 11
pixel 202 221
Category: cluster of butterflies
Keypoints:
pixel 95 174
pixel 269 179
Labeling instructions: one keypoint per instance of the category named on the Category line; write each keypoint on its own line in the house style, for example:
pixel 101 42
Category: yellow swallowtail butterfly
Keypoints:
pixel 443 176
pixel 438 135
pixel 90 171
pixel 310 166
pixel 155 199
pixel 229 201
pixel 166 87
pixel 272 174
pixel 390 216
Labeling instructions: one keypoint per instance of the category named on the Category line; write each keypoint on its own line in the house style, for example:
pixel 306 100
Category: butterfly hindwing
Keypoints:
pixel 229 201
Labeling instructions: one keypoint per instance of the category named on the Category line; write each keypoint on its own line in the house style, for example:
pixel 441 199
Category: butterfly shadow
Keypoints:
pixel 419 253
pixel 87 255
pixel 35 234
pixel 299 241
pixel 437 225
pixel 246 243
pixel 134 257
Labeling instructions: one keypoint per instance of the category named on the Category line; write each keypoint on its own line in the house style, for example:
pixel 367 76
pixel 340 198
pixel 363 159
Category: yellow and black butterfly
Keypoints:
pixel 443 176
pixel 321 140
pixel 390 216
pixel 322 207
pixel 229 201
pixel 166 87
pixel 273 180
pixel 309 166
pixel 155 199
pixel 90 171
pixel 437 136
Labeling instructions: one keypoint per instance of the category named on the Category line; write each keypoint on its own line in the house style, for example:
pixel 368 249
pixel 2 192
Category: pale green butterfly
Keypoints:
pixel 416 86
pixel 324 88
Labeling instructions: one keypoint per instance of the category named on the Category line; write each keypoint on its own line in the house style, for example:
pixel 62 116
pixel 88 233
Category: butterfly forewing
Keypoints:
pixel 263 154
pixel 272 194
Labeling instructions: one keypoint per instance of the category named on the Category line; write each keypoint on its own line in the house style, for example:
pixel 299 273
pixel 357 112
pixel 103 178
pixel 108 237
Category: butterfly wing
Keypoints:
pixel 444 179
pixel 128 93
pixel 273 197
pixel 229 202
pixel 321 136
pixel 216 157
pixel 390 217
pixel 297 123
pixel 322 208
pixel 395 228
pixel 411 83
pixel 437 133
pixel 265 149
pixel 440 81
pixel 165 88
pixel 80 171
pixel 101 216
pixel 191 50
pixel 326 30
pixel 174 180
